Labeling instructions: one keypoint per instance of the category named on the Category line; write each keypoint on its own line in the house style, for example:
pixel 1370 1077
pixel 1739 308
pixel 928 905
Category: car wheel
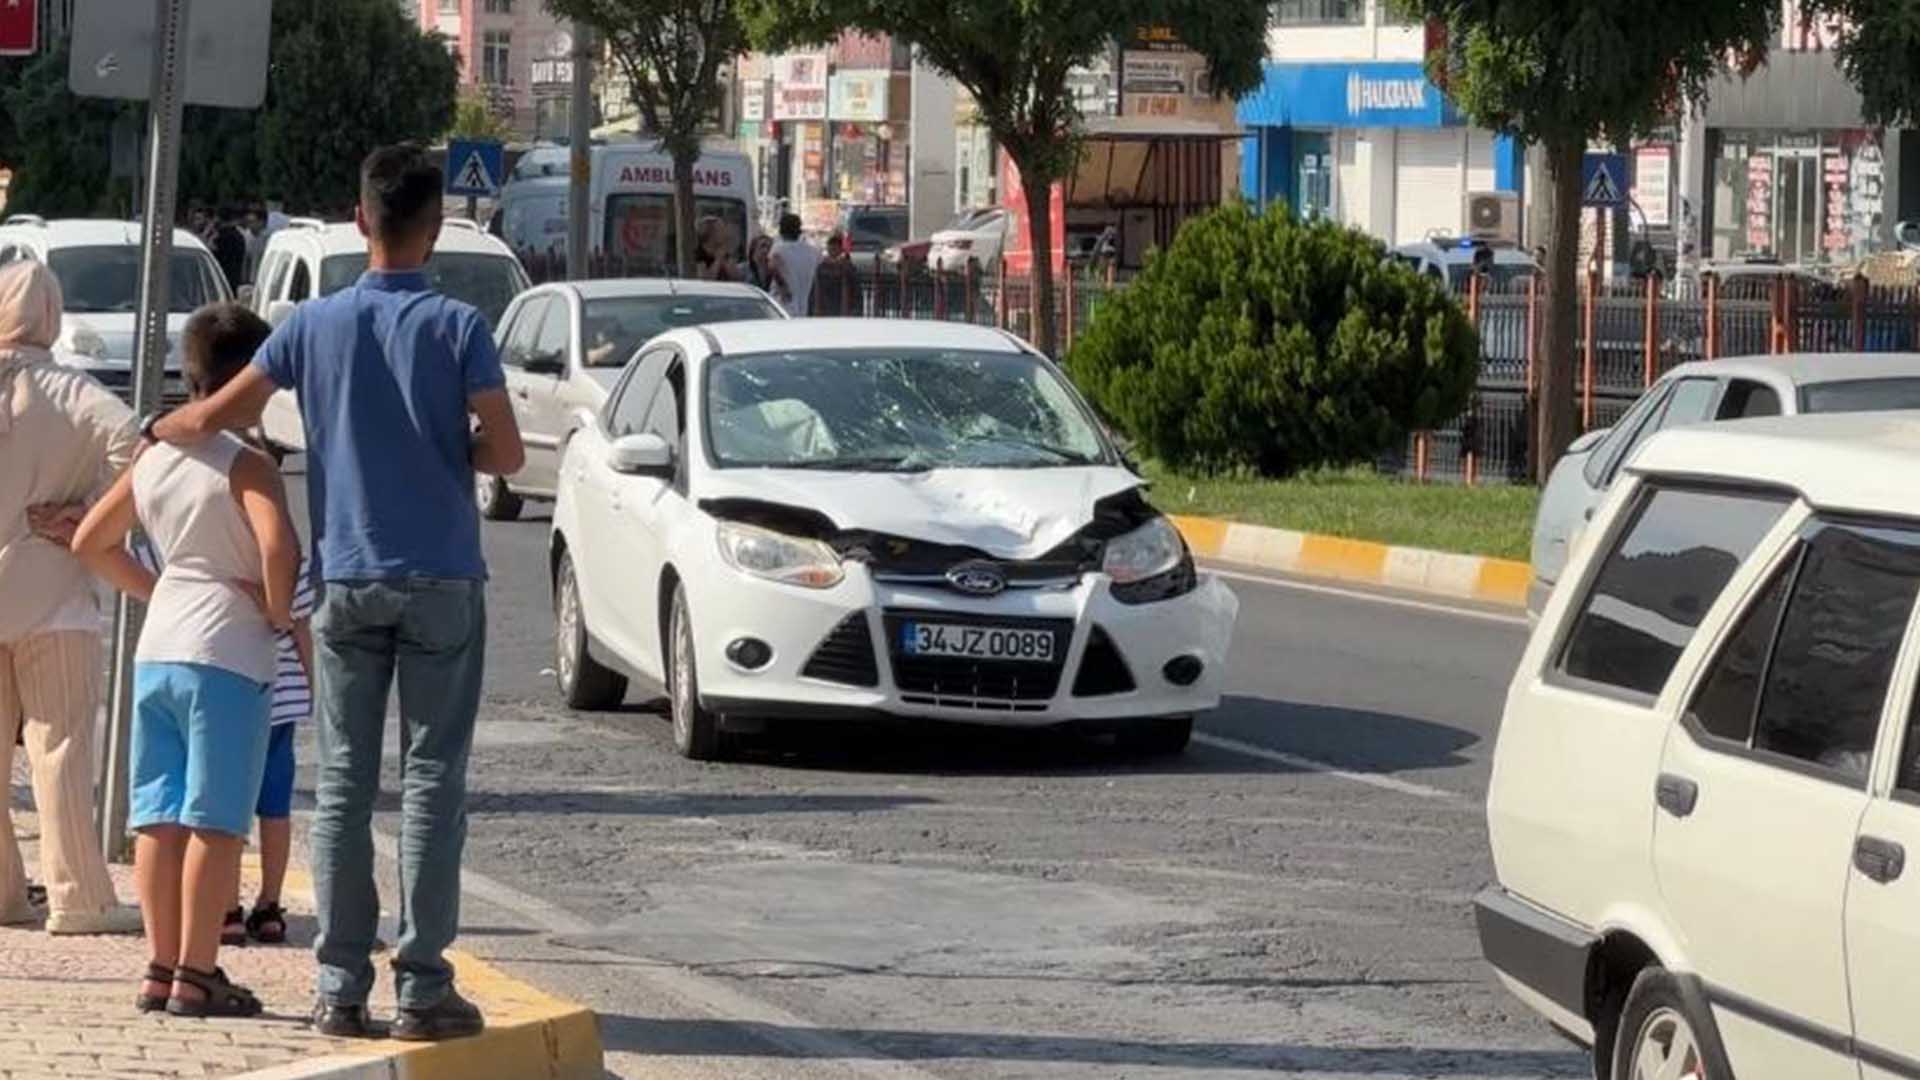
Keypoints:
pixel 1162 736
pixel 1661 1037
pixel 584 682
pixel 696 732
pixel 497 502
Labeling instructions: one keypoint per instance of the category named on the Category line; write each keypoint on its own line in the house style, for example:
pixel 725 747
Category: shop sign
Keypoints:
pixel 753 101
pixel 860 96
pixel 800 87
pixel 1153 75
pixel 1653 184
pixel 1092 90
pixel 1158 39
pixel 1365 95
pixel 1760 202
pixel 1386 94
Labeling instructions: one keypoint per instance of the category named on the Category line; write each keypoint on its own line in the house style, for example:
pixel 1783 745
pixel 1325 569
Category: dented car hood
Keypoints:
pixel 1007 513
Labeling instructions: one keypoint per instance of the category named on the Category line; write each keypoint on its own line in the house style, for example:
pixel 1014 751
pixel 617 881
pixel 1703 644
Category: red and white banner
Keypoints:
pixel 19 27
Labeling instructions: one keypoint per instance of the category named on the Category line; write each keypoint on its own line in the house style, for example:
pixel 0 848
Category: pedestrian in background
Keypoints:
pixel 217 514
pixel 760 263
pixel 230 247
pixel 390 377
pixel 834 283
pixel 713 256
pixel 794 263
pixel 62 440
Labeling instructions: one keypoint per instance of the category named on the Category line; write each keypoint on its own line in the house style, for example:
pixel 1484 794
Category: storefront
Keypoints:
pixel 870 137
pixel 1372 144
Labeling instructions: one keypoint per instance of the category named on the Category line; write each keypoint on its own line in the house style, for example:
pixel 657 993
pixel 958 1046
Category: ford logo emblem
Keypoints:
pixel 977 579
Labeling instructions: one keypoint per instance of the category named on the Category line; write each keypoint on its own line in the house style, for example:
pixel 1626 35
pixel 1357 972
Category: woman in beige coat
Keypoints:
pixel 62 438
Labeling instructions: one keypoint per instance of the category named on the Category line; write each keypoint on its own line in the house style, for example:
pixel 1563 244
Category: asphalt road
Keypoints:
pixel 1289 897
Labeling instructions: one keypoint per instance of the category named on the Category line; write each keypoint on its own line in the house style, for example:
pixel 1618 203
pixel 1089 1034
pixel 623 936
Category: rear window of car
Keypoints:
pixel 1663 574
pixel 1860 395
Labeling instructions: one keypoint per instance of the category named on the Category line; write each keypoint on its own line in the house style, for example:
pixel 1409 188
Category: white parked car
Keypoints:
pixel 1699 393
pixel 977 236
pixel 1451 263
pixel 1707 781
pixel 564 346
pixel 310 258
pixel 98 264
pixel 914 519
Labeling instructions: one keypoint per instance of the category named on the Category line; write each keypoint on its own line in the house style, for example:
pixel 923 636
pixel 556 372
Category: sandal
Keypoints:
pixel 152 1003
pixel 268 924
pixel 224 999
pixel 233 930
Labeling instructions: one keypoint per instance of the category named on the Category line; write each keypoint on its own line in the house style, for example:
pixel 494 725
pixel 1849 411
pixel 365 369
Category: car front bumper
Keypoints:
pixel 834 652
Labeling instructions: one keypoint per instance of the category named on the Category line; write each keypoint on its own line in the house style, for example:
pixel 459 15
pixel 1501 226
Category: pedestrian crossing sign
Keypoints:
pixel 475 167
pixel 1603 180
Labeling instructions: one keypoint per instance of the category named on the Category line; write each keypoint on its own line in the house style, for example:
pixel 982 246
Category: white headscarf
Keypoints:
pixel 30 303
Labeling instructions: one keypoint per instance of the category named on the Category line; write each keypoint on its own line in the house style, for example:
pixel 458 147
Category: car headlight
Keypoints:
pixel 774 556
pixel 86 341
pixel 1150 563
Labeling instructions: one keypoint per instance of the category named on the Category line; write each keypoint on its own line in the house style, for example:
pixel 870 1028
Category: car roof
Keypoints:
pixel 85 232
pixel 1452 252
pixel 1806 369
pixel 616 288
pixel 1861 462
pixel 457 235
pixel 809 335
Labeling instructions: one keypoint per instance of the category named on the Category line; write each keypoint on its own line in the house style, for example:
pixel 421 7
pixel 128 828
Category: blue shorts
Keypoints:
pixel 276 786
pixel 199 747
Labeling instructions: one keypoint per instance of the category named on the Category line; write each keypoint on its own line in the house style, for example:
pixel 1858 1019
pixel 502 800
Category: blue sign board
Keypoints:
pixel 1603 181
pixel 475 167
pixel 1392 94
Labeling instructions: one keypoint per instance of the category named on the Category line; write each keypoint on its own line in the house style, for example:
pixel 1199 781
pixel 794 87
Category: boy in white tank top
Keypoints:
pixel 203 669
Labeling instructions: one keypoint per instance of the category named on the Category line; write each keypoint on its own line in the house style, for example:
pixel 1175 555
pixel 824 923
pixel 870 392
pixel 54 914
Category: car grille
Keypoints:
pixel 1103 671
pixel 992 685
pixel 846 656
pixel 895 561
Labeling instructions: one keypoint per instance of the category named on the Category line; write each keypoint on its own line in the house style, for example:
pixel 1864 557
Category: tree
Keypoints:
pixel 1263 343
pixel 671 52
pixel 1014 57
pixel 473 118
pixel 62 145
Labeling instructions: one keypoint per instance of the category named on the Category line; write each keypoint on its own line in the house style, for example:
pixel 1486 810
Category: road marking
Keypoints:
pixel 1372 597
pixel 1280 757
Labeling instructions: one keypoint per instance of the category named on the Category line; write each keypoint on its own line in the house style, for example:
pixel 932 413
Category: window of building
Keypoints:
pixel 449 7
pixel 1388 13
pixel 1665 572
pixel 1320 12
pixel 496 50
pixel 498 7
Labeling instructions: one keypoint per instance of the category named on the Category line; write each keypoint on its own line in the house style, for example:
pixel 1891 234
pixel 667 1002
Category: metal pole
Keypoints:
pixel 164 106
pixel 580 139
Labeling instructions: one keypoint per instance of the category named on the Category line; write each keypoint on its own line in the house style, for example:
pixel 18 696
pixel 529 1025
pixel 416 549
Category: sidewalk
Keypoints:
pixel 66 1010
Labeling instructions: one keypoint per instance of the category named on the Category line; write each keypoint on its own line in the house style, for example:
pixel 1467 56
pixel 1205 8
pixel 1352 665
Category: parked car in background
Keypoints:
pixel 871 230
pixel 1705 798
pixel 909 518
pixel 98 264
pixel 310 258
pixel 564 346
pixel 1452 262
pixel 977 236
pixel 913 254
pixel 1697 393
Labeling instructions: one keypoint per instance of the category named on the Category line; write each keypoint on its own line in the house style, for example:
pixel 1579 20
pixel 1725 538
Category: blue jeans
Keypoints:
pixel 432 633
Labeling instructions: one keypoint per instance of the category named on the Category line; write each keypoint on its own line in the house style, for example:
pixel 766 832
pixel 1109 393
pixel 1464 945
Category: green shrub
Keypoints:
pixel 1266 344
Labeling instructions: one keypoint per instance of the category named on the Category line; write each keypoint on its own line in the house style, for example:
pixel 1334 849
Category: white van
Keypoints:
pixel 533 202
pixel 633 201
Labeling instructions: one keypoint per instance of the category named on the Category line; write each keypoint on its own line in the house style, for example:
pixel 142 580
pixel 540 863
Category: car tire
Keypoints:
pixel 1658 1022
pixel 1163 736
pixel 496 500
pixel 584 682
pixel 696 731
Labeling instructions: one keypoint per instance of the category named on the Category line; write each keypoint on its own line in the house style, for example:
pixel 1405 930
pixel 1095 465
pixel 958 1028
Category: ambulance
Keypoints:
pixel 631 194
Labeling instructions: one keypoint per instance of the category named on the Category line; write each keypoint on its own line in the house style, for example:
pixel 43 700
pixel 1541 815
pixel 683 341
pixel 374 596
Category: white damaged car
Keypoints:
pixel 857 518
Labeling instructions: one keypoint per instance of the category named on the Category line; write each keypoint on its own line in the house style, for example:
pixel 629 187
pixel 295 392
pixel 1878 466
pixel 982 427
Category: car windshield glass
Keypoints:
pixel 618 326
pixel 106 279
pixel 488 282
pixel 1860 395
pixel 895 410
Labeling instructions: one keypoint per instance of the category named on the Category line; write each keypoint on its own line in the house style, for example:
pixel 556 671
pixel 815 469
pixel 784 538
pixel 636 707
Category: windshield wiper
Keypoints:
pixel 876 463
pixel 1066 456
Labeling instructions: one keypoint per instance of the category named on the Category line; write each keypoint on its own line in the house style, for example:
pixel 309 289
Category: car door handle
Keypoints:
pixel 1677 795
pixel 1881 860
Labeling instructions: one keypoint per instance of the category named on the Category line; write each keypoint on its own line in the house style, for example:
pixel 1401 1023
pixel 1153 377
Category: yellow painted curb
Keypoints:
pixel 1206 536
pixel 1349 560
pixel 1503 581
pixel 1466 577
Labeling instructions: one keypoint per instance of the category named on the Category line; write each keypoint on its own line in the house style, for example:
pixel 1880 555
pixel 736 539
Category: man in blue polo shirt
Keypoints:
pixel 391 378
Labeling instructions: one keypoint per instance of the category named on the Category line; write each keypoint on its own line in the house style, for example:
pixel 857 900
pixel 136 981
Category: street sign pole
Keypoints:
pixel 580 149
pixel 165 104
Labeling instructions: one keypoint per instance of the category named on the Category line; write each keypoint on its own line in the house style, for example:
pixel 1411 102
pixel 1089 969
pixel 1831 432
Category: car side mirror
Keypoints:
pixel 645 454
pixel 544 363
pixel 279 312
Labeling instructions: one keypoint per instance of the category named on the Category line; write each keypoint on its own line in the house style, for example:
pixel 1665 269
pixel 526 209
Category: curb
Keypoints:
pixel 530 1034
pixel 1463 577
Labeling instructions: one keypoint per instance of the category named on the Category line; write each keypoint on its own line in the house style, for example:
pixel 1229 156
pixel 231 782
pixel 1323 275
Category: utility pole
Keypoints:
pixel 580 148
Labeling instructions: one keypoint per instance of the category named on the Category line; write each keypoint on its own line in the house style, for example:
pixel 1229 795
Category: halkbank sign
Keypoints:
pixel 1347 95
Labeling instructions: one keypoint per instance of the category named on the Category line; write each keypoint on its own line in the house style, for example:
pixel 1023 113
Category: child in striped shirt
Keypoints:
pixel 292 704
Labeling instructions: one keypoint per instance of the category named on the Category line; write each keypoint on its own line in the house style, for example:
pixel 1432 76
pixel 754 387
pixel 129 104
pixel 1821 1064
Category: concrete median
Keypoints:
pixel 1462 577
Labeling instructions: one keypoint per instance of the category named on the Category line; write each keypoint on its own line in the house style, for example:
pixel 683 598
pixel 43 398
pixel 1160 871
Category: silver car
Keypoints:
pixel 564 346
pixel 1703 393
